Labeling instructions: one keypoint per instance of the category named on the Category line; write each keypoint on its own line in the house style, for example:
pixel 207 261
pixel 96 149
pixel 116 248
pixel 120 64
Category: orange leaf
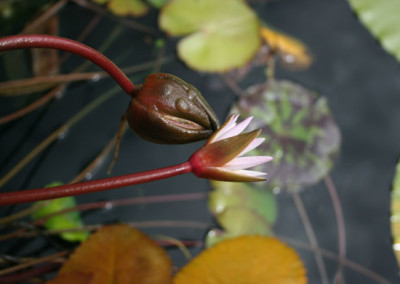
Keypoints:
pixel 293 53
pixel 245 260
pixel 116 254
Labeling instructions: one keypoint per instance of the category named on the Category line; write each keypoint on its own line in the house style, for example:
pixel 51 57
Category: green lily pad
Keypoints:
pixel 222 34
pixel 382 20
pixel 395 214
pixel 236 194
pixel 157 3
pixel 68 220
pixel 135 8
pixel 300 133
pixel 240 209
pixel 238 221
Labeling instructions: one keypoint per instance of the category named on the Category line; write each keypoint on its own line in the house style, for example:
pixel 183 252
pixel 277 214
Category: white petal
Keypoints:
pixel 237 129
pixel 250 173
pixel 229 125
pixel 246 162
pixel 254 144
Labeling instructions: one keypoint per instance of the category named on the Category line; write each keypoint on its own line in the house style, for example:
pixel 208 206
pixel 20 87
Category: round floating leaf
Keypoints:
pixel 68 220
pixel 300 133
pixel 246 259
pixel 134 8
pixel 395 213
pixel 117 254
pixel 222 34
pixel 157 3
pixel 238 194
pixel 238 221
pixel 240 209
pixel 382 20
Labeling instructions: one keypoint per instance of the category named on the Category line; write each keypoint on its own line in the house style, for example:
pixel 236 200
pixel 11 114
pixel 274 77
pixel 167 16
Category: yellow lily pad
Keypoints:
pixel 246 259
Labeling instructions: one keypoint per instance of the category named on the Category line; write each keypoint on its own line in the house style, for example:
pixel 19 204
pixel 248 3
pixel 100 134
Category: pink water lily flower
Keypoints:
pixel 222 156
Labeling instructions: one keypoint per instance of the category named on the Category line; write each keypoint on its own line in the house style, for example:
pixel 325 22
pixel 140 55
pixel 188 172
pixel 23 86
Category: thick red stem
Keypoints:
pixel 31 195
pixel 48 41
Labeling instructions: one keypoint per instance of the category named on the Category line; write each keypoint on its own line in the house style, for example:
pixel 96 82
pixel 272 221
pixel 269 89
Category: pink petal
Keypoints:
pixel 250 173
pixel 231 123
pixel 246 162
pixel 226 175
pixel 254 144
pixel 237 129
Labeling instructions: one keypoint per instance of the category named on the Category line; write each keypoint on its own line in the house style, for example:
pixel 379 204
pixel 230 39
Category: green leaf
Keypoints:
pixel 240 209
pixel 134 8
pixel 300 133
pixel 157 3
pixel 68 220
pixel 382 20
pixel 238 221
pixel 235 194
pixel 222 34
pixel 100 1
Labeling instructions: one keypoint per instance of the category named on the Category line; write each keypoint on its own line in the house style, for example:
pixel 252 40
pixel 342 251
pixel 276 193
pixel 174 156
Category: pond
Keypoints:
pixel 359 83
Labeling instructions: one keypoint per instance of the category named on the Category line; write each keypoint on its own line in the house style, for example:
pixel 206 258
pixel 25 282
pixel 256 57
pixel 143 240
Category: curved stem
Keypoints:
pixel 340 224
pixel 125 202
pixel 25 275
pixel 52 137
pixel 33 262
pixel 50 12
pixel 331 255
pixel 47 41
pixel 39 102
pixel 311 236
pixel 31 195
pixel 139 225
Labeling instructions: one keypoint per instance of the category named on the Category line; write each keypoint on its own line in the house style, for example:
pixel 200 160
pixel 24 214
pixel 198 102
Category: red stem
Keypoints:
pixel 31 195
pixel 48 41
pixel 21 276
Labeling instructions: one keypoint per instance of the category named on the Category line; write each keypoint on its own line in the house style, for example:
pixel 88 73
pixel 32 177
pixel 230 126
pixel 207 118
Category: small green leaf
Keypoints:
pixel 222 34
pixel 134 8
pixel 235 194
pixel 157 3
pixel 159 43
pixel 238 221
pixel 100 1
pixel 68 220
pixel 240 209
pixel 382 20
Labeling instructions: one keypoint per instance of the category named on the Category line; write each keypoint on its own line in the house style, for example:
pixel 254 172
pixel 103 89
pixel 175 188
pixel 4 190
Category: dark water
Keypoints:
pixel 359 79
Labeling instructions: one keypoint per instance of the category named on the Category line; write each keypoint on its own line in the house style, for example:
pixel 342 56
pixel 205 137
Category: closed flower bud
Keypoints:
pixel 166 109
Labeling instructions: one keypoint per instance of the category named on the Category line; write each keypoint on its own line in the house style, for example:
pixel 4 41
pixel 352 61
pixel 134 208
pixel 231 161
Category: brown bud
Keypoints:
pixel 168 110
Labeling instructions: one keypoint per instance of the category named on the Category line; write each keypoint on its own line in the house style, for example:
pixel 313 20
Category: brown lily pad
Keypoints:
pixel 117 254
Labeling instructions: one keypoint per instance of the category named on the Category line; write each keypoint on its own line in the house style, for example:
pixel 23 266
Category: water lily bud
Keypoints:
pixel 166 109
pixel 222 156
